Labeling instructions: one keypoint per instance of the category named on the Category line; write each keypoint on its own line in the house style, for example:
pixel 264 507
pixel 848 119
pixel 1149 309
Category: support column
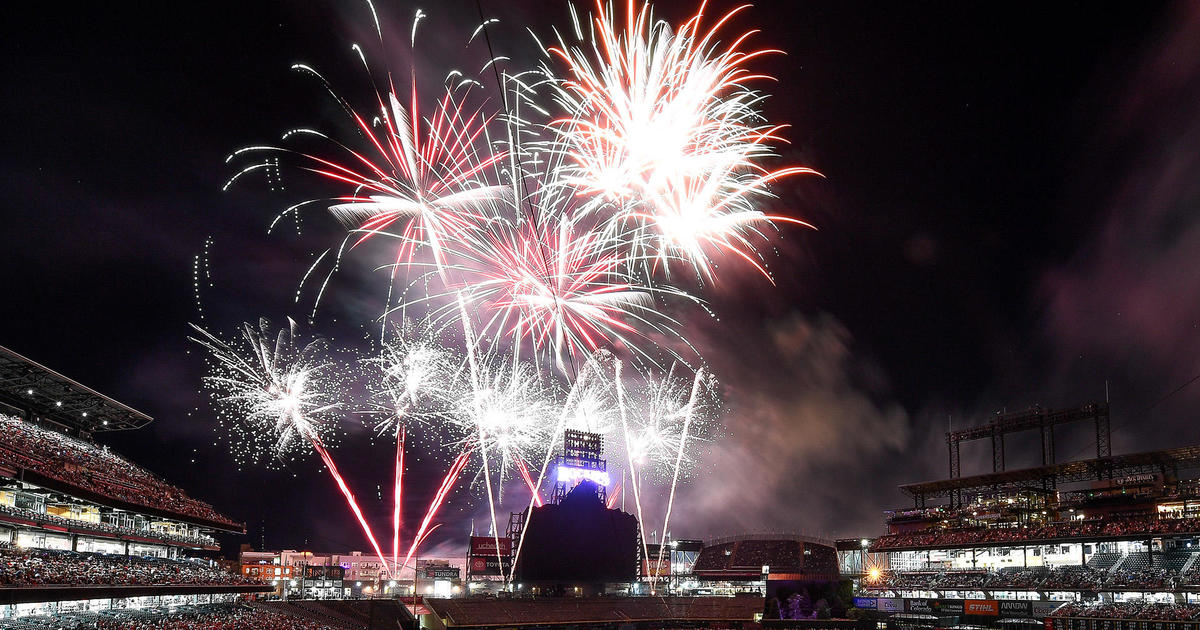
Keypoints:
pixel 1103 434
pixel 997 450
pixel 952 446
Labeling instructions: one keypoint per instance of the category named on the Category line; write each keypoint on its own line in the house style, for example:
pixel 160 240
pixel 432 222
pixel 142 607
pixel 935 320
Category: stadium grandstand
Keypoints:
pixel 86 535
pixel 749 559
pixel 1095 538
pixel 300 615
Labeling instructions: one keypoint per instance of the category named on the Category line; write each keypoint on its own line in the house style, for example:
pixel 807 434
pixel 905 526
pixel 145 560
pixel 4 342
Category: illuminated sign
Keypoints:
pixel 570 474
pixel 443 573
pixel 486 566
pixel 486 546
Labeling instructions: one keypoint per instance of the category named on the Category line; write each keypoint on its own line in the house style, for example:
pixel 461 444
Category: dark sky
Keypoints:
pixel 1008 217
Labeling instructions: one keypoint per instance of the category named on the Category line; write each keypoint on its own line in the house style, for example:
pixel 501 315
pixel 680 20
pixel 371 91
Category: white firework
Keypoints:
pixel 276 395
pixel 417 378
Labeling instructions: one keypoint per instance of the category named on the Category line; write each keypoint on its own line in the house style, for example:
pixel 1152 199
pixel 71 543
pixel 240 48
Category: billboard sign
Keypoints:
pixel 981 607
pixel 934 606
pixel 441 573
pixel 950 606
pixel 482 565
pixel 1014 608
pixel 1043 609
pixel 889 604
pixel 652 567
pixel 486 546
pixel 865 602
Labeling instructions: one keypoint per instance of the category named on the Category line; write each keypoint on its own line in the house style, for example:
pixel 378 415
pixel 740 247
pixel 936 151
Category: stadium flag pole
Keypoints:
pixel 687 420
pixel 637 500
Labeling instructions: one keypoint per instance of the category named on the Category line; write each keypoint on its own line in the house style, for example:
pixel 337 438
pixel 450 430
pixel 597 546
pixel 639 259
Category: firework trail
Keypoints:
pixel 663 410
pixel 413 370
pixel 439 498
pixel 637 497
pixel 397 495
pixel 275 386
pixel 683 436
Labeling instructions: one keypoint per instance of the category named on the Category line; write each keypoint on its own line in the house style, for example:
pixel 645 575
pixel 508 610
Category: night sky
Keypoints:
pixel 1009 216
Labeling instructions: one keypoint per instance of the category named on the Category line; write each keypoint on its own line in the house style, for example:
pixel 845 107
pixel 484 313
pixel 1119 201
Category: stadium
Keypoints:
pixel 1079 544
pixel 88 539
pixel 91 540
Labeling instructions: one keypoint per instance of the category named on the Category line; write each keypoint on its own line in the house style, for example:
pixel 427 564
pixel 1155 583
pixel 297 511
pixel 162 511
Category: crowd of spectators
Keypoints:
pixel 103 529
pixel 1062 578
pixel 44 567
pixel 90 467
pixel 238 619
pixel 1149 611
pixel 1091 528
pixel 781 555
pixel 209 617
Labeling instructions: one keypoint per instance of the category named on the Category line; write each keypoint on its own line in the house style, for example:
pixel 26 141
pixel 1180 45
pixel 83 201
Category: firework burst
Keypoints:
pixel 275 395
pixel 507 416
pixel 550 231
pixel 669 415
pixel 275 384
pixel 664 131
pixel 417 378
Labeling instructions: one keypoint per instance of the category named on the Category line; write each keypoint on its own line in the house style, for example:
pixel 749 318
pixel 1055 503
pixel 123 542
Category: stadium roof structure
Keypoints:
pixel 1068 472
pixel 35 388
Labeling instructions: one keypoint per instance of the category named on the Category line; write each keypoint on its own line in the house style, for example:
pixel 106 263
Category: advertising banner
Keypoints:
pixel 934 606
pixel 864 602
pixel 889 604
pixel 924 606
pixel 442 573
pixel 1037 610
pixel 981 607
pixel 1014 608
pixel 486 546
pixel 485 566
pixel 652 566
